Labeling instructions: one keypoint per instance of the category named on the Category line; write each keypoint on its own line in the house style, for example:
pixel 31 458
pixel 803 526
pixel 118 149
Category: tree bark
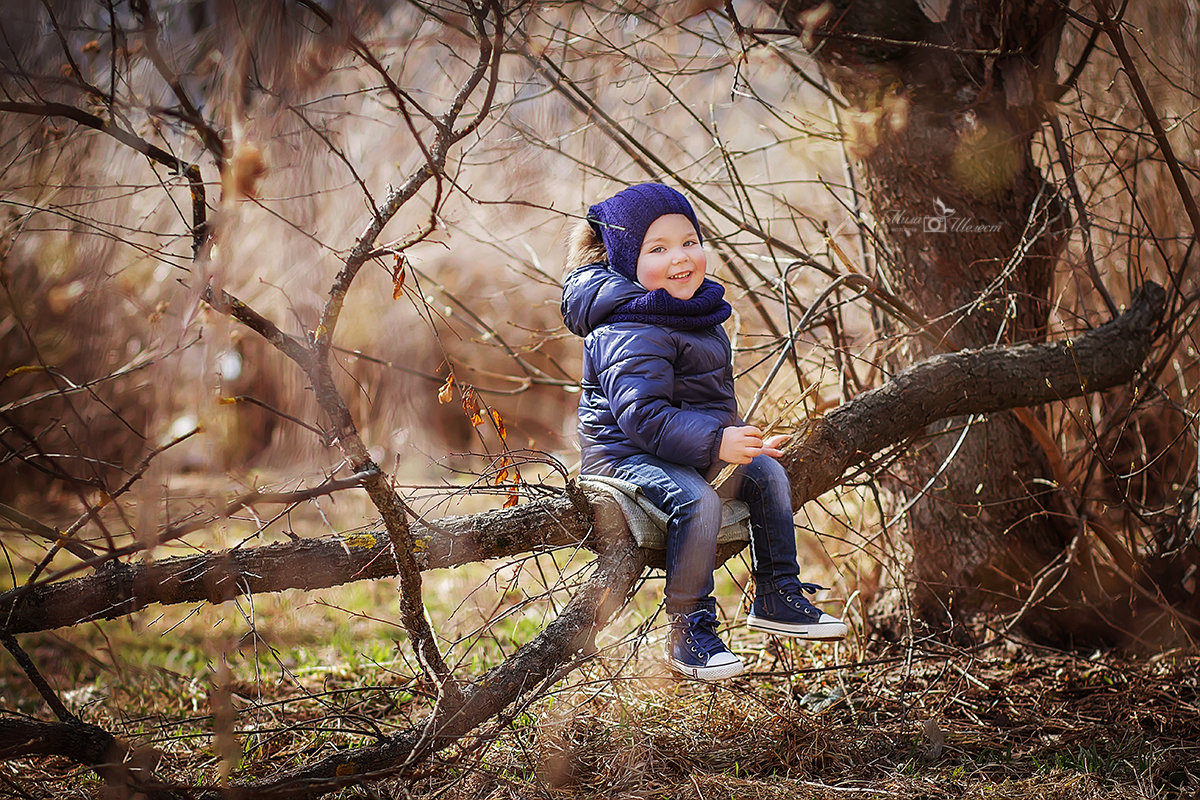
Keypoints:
pixel 124 768
pixel 979 381
pixel 945 114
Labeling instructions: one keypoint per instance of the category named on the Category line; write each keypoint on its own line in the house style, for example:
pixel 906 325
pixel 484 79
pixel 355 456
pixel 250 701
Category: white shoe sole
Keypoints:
pixel 815 630
pixel 707 673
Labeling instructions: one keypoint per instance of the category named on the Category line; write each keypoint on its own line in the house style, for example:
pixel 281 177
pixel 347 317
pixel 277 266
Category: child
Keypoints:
pixel 657 409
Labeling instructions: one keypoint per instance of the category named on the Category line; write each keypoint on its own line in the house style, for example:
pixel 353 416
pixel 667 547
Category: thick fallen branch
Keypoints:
pixel 118 589
pixel 979 381
pixel 966 382
pixel 122 766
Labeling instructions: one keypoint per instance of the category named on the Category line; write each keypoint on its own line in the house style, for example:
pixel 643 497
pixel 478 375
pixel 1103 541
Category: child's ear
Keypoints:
pixel 584 246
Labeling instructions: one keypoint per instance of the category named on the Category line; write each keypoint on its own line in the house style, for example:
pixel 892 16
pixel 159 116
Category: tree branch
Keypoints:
pixel 968 382
pixel 123 767
pixel 1111 28
pixel 152 152
pixel 537 663
pixel 445 138
pixel 978 381
pixel 120 765
pixel 226 303
pixel 151 30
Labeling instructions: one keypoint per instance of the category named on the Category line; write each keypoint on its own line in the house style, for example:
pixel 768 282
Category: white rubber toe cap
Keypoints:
pixel 826 627
pixel 718 667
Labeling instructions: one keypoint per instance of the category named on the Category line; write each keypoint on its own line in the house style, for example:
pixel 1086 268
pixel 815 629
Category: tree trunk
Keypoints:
pixel 944 115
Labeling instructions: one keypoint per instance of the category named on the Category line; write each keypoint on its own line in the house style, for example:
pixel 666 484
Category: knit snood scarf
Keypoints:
pixel 706 308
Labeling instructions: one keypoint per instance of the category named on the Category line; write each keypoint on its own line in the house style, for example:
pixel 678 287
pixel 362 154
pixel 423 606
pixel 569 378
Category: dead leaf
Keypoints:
pixel 470 404
pixel 242 172
pixel 446 393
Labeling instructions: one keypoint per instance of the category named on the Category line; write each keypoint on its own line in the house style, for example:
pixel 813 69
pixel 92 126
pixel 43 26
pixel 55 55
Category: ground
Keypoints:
pixel 1003 721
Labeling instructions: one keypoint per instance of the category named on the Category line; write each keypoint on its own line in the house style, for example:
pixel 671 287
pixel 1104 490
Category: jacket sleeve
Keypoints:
pixel 638 378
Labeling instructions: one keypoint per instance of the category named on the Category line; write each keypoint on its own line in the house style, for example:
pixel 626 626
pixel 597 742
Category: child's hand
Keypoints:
pixel 739 445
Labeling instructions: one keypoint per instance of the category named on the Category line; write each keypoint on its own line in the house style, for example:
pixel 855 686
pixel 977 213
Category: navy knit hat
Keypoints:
pixel 621 221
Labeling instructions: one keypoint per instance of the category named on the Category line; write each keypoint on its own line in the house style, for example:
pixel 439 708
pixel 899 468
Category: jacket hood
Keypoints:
pixel 592 293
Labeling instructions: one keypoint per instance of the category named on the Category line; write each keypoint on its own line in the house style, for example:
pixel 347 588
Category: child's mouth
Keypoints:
pixel 680 276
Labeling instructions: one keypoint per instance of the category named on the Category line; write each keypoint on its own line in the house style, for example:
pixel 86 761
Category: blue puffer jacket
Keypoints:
pixel 646 388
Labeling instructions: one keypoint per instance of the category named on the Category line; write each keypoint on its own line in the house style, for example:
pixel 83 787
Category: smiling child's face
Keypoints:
pixel 672 257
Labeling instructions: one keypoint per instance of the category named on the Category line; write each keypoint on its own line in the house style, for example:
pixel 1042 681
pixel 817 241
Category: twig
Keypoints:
pixel 65 538
pixel 254 401
pixel 35 677
pixel 211 139
pixel 190 171
pixel 1081 211
pixel 1113 31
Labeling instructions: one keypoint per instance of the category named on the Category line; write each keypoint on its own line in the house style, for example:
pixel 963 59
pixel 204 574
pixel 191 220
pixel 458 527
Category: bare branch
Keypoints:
pixel 211 139
pixel 445 138
pixel 973 382
pixel 43 530
pixel 122 766
pixel 36 678
pixel 118 589
pixel 226 303
pixel 616 572
pixel 66 540
pixel 1113 30
pixel 153 152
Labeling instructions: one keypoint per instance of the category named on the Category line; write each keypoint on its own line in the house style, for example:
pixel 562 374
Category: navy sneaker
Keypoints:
pixel 695 650
pixel 782 609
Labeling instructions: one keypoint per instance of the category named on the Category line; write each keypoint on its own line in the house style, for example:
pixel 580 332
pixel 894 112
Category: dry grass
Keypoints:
pixel 1010 722
pixel 953 725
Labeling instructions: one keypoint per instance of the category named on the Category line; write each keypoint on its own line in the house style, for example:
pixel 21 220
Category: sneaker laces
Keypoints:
pixel 700 629
pixel 794 586
pixel 792 591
